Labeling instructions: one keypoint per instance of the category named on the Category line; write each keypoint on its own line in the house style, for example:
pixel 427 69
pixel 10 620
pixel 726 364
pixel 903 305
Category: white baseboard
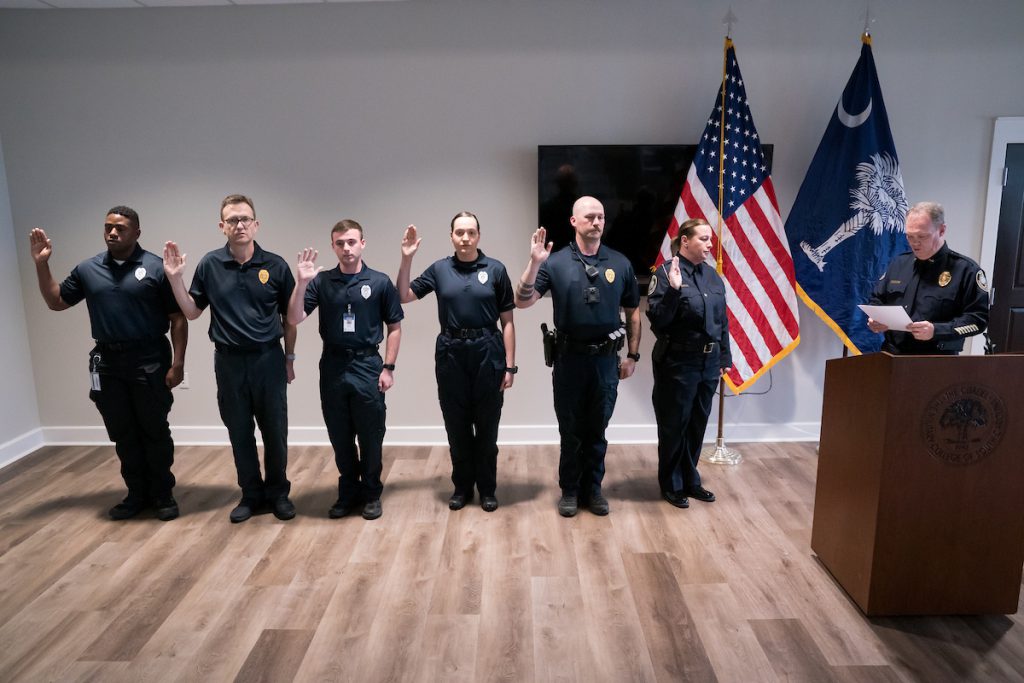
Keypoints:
pixel 20 446
pixel 432 435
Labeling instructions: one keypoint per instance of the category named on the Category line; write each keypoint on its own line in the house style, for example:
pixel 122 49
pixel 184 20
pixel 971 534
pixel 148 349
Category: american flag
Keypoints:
pixel 756 265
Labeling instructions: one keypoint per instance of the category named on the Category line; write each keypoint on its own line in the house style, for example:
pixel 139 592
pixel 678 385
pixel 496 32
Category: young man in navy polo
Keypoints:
pixel 131 367
pixel 356 303
pixel 247 290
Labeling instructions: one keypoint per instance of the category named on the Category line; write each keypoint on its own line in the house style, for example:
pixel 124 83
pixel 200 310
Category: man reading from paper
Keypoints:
pixel 944 293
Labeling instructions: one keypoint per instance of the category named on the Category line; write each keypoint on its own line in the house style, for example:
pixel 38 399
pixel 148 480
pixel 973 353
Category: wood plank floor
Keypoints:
pixel 728 591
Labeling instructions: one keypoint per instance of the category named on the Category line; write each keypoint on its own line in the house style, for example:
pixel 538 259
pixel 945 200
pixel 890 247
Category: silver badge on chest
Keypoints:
pixel 482 277
pixel 140 273
pixel 365 291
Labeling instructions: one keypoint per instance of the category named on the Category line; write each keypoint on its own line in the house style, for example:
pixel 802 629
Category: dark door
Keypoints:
pixel 1006 319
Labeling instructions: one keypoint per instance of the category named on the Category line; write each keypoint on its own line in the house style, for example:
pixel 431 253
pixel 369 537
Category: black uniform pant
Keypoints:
pixel 354 408
pixel 252 384
pixel 134 401
pixel 585 390
pixel 469 376
pixel 684 390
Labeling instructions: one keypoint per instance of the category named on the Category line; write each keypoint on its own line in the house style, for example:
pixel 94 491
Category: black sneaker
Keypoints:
pixel 243 511
pixel 489 503
pixel 167 509
pixel 459 500
pixel 599 505
pixel 568 505
pixel 341 508
pixel 373 509
pixel 284 509
pixel 128 508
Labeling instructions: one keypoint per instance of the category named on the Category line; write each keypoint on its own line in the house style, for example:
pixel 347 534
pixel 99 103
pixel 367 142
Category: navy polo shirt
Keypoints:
pixel 469 294
pixel 565 277
pixel 369 295
pixel 246 300
pixel 128 301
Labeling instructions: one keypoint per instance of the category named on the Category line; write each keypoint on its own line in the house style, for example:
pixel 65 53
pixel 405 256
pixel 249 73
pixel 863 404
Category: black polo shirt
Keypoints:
pixel 128 301
pixel 369 295
pixel 246 300
pixel 564 275
pixel 469 294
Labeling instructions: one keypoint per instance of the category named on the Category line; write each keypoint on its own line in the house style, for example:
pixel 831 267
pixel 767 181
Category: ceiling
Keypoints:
pixel 108 4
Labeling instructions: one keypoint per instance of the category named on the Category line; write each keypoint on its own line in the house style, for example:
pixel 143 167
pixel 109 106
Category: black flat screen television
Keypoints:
pixel 639 186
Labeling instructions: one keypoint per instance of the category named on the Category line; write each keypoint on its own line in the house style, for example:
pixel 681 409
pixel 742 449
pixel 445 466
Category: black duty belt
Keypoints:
pixel 339 351
pixel 601 348
pixel 690 345
pixel 469 332
pixel 137 345
pixel 258 347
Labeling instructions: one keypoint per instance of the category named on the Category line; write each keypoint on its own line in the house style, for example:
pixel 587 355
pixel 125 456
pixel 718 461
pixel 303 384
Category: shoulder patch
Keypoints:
pixel 653 286
pixel 981 280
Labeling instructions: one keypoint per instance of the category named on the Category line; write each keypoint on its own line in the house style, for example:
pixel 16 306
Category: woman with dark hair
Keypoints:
pixel 474 355
pixel 686 307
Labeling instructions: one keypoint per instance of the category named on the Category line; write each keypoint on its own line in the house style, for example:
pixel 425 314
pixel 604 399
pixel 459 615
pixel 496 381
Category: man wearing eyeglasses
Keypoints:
pixel 945 293
pixel 247 290
pixel 589 284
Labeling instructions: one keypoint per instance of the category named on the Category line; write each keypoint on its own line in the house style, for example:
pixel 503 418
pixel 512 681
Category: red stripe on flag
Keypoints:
pixel 758 265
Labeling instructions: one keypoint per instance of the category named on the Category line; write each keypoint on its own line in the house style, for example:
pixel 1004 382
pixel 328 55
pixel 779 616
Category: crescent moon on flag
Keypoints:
pixel 849 120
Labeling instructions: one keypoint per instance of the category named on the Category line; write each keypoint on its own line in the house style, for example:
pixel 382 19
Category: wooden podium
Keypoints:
pixel 919 506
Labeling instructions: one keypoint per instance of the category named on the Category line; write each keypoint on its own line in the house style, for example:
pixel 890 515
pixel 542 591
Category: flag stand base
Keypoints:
pixel 721 454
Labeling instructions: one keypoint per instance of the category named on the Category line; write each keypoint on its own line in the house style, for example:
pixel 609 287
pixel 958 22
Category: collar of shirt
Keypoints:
pixel 601 255
pixel 336 274
pixel 134 257
pixel 479 263
pixel 258 256
pixel 690 268
pixel 936 262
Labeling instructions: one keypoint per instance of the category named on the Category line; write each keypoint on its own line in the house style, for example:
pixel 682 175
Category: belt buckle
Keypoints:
pixel 709 347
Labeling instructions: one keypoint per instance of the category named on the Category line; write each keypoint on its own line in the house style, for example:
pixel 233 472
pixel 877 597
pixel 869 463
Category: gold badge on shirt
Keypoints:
pixel 945 278
pixel 264 276
pixel 609 275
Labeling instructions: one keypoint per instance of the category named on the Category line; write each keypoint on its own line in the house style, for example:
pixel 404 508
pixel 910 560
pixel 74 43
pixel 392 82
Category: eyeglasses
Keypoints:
pixel 244 221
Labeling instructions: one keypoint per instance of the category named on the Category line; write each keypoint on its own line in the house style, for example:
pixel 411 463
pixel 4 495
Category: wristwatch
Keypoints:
pixel 512 370
pixel 389 366
pixel 634 356
pixel 289 356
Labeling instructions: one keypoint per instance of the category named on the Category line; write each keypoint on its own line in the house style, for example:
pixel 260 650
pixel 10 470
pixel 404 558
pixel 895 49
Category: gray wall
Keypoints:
pixel 19 413
pixel 394 113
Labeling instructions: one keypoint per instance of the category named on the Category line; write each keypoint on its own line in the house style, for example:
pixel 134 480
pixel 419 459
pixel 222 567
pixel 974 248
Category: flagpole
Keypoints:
pixel 722 454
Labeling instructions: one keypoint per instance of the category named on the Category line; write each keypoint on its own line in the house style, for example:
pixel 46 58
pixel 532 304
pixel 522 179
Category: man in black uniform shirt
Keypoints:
pixel 355 302
pixel 247 290
pixel 945 293
pixel 130 309
pixel 589 283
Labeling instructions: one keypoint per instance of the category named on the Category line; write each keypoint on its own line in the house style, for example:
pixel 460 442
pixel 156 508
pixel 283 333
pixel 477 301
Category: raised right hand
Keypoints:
pixel 410 242
pixel 675 278
pixel 41 245
pixel 174 260
pixel 539 249
pixel 306 269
